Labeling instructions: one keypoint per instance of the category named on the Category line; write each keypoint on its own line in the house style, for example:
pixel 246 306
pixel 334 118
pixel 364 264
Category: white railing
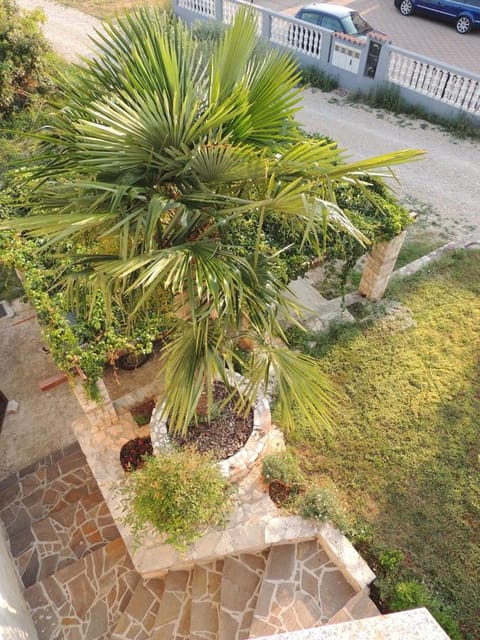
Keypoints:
pixel 453 87
pixel 297 37
pixel 205 8
pixel 439 87
pixel 230 9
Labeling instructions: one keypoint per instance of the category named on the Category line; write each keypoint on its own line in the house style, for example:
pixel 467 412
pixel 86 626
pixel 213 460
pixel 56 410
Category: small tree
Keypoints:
pixel 22 55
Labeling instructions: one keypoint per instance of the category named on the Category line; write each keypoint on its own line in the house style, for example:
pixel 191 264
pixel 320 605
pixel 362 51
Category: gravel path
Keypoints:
pixel 444 188
pixel 67 29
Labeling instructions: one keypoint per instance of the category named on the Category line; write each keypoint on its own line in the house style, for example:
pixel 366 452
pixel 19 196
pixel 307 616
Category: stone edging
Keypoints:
pixel 415 624
pixel 471 241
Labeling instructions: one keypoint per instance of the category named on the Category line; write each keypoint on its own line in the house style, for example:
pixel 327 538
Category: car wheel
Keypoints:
pixel 131 360
pixel 406 7
pixel 464 24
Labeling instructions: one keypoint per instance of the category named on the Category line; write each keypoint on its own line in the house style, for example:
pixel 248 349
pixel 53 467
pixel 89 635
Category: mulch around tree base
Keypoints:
pixel 226 432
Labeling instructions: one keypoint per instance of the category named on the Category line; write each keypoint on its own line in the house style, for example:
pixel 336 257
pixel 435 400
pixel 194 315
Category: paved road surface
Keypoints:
pixel 444 188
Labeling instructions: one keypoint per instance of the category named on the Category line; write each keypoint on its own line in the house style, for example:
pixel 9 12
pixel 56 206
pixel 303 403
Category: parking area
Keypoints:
pixel 436 40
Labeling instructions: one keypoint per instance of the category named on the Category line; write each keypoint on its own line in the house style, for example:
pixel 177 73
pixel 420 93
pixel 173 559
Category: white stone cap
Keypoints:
pixel 416 624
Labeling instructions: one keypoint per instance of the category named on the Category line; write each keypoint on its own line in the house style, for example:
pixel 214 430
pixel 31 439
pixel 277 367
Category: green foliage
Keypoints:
pixel 22 55
pixel 10 285
pixel 79 338
pixel 314 77
pixel 391 560
pixel 413 594
pixel 322 503
pixel 415 248
pixel 179 493
pixel 387 96
pixel 282 466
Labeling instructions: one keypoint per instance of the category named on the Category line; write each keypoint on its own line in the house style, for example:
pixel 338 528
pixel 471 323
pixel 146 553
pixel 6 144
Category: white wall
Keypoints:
pixel 15 620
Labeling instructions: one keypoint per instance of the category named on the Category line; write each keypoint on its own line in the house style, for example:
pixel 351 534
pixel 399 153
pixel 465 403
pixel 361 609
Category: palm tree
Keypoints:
pixel 155 154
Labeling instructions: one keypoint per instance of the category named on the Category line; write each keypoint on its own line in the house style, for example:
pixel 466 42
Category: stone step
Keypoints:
pixel 301 588
pixel 50 484
pixel 66 535
pixel 85 600
pixel 206 590
pixel 173 617
pixel 242 577
pixel 357 608
pixel 136 622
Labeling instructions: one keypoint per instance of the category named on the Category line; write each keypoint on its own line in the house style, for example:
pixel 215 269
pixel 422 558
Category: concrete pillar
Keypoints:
pixel 379 267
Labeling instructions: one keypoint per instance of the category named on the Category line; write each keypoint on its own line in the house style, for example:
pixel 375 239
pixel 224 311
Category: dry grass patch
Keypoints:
pixel 104 9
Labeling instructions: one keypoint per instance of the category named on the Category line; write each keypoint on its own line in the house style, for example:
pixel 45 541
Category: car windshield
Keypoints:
pixel 354 24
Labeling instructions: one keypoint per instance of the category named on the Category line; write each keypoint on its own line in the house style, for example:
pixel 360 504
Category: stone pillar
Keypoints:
pixel 379 267
pixel 101 414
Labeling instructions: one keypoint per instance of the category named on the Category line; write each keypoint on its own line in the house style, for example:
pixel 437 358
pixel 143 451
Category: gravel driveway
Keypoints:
pixel 444 188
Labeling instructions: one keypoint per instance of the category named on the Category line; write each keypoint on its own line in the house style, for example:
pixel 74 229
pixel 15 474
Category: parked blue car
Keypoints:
pixel 465 14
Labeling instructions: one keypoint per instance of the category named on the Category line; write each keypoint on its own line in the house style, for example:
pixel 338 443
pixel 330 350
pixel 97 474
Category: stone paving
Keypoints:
pixel 82 584
pixel 63 537
pixel 301 588
pixel 136 622
pixel 242 577
pixel 48 485
pixel 173 617
pixel 85 600
pixel 206 591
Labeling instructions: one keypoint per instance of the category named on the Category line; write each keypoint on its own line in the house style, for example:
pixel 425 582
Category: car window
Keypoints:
pixel 330 22
pixel 310 16
pixel 354 23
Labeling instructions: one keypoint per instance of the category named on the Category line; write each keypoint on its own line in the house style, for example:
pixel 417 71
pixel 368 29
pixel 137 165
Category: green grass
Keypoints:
pixel 405 453
pixel 414 248
pixel 388 97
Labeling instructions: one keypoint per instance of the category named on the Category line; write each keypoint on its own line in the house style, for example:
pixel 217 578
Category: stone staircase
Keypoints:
pixel 80 583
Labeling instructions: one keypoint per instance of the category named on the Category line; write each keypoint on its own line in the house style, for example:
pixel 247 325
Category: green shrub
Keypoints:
pixel 318 79
pixel 282 467
pixel 322 504
pixel 391 560
pixel 179 493
pixel 412 594
pixel 22 55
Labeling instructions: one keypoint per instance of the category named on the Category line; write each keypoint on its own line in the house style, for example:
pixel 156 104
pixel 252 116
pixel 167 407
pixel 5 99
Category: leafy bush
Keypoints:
pixel 282 467
pixel 412 594
pixel 321 503
pixel 179 493
pixel 391 560
pixel 318 79
pixel 22 55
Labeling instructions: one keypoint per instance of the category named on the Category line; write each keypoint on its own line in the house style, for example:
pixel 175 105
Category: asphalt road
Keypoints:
pixel 433 39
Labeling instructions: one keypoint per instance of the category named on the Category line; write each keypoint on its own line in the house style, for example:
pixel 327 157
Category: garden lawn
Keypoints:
pixel 405 451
